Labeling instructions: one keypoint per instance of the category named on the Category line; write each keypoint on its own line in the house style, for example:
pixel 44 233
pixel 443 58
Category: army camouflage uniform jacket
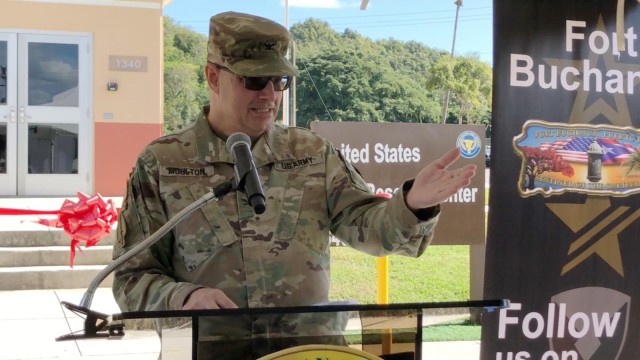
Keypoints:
pixel 278 258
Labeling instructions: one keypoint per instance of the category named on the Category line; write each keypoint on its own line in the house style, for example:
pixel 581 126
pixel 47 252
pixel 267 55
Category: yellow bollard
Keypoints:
pixel 382 266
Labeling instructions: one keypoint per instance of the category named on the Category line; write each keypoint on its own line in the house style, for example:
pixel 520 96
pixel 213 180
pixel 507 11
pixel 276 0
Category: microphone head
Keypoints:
pixel 237 138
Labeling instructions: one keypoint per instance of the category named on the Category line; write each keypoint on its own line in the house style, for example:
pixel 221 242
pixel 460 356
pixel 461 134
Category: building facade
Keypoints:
pixel 81 92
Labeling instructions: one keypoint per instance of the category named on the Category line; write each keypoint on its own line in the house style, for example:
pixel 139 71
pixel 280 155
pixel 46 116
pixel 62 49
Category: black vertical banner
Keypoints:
pixel 564 221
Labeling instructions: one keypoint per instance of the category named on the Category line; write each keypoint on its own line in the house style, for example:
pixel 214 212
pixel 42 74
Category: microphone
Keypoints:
pixel 247 179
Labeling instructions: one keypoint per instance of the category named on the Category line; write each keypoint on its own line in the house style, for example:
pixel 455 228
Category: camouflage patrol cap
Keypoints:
pixel 249 45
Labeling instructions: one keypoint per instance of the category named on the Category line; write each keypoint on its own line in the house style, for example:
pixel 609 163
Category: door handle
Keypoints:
pixel 12 114
pixel 22 116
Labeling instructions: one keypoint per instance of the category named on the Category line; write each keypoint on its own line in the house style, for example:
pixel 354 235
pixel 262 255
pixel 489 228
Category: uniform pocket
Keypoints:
pixel 302 211
pixel 202 233
pixel 290 206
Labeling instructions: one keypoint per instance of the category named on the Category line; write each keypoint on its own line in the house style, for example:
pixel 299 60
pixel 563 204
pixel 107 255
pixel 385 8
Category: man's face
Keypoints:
pixel 235 108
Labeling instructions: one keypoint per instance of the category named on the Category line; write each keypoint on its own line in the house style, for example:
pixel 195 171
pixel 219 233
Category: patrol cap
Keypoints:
pixel 249 45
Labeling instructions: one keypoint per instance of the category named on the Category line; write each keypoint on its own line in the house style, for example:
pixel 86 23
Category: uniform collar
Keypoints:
pixel 272 146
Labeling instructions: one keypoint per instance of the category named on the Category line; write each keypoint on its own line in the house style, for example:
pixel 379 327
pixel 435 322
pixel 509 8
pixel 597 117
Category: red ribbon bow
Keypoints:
pixel 87 220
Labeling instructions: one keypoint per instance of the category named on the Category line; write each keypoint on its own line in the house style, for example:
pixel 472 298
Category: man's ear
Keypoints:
pixel 212 73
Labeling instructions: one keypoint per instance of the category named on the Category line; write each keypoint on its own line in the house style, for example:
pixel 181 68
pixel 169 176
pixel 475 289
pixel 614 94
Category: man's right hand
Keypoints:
pixel 208 298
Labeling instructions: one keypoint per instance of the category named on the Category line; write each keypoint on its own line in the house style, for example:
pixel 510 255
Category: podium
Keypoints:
pixel 392 331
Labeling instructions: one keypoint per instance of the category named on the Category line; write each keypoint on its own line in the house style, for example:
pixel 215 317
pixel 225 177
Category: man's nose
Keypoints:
pixel 268 92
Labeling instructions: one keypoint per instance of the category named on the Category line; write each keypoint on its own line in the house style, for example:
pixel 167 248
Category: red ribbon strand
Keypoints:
pixel 87 220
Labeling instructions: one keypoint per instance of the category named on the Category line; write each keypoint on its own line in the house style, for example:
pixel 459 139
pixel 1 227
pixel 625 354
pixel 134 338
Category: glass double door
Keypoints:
pixel 45 128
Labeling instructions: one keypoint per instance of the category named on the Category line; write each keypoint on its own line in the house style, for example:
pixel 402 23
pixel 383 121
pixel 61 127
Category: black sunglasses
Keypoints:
pixel 257 83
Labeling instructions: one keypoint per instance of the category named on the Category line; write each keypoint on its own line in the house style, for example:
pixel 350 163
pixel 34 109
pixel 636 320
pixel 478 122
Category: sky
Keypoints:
pixel 430 22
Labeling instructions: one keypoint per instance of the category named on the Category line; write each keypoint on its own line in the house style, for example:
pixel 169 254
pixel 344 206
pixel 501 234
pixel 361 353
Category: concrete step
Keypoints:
pixel 43 236
pixel 35 256
pixel 50 277
pixel 54 256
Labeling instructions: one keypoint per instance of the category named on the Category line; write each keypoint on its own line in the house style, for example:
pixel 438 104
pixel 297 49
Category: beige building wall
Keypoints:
pixel 126 48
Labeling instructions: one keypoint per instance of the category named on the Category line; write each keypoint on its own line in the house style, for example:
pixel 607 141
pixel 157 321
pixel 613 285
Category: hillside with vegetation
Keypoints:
pixel 344 77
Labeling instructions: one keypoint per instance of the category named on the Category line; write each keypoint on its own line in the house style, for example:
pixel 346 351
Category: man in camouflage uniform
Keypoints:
pixel 226 256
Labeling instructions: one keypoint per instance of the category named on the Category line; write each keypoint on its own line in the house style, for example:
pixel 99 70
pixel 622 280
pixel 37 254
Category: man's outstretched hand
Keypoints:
pixel 434 183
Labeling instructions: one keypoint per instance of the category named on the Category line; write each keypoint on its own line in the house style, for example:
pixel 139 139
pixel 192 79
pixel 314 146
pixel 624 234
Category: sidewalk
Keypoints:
pixel 30 320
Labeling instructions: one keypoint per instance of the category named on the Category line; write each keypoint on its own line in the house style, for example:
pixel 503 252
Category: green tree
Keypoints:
pixel 633 162
pixel 441 78
pixel 469 81
pixel 343 77
pixel 471 88
pixel 182 96
pixel 185 88
pixel 348 77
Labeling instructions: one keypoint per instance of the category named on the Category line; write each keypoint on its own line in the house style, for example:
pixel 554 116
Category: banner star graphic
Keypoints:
pixel 583 114
pixel 607 247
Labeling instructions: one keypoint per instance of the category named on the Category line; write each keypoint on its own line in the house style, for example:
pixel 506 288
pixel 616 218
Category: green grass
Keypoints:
pixel 461 330
pixel 440 274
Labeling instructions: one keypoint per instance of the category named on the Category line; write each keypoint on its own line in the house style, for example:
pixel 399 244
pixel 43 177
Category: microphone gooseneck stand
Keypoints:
pixel 95 322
